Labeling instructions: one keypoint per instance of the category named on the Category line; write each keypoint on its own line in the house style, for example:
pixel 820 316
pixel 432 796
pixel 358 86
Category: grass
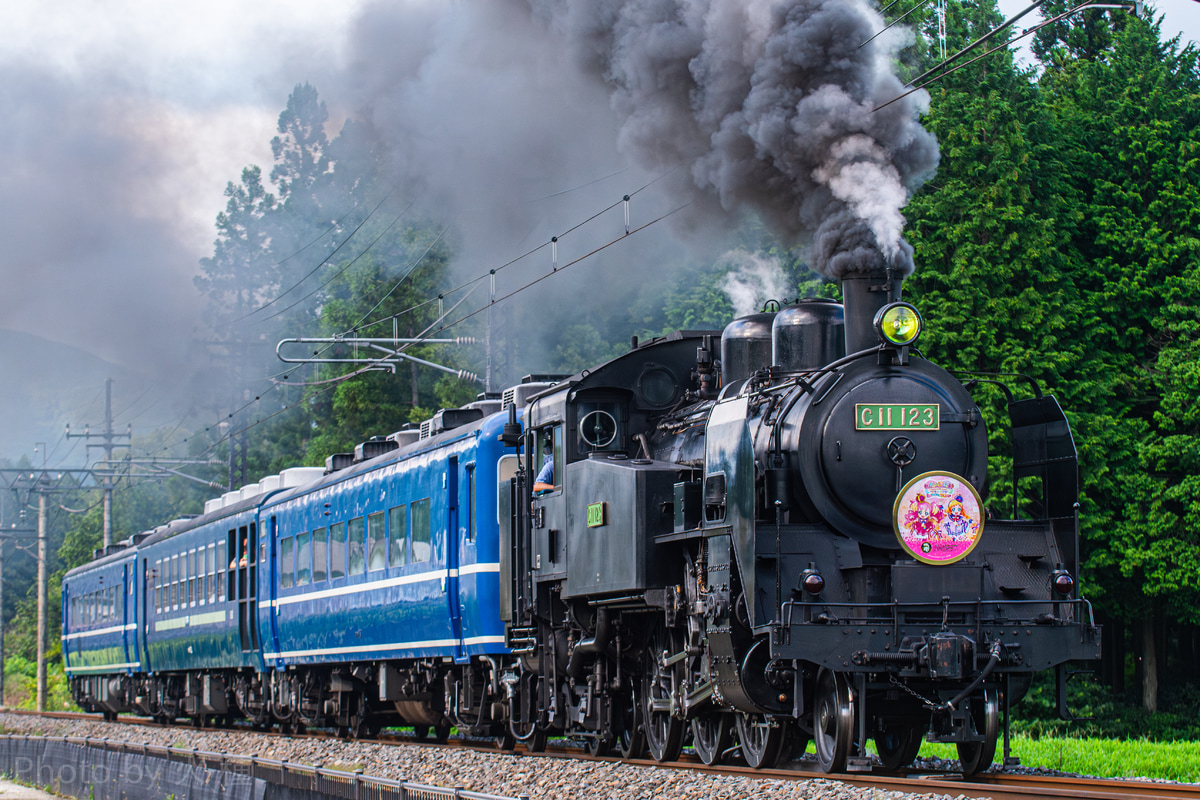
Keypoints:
pixel 1105 758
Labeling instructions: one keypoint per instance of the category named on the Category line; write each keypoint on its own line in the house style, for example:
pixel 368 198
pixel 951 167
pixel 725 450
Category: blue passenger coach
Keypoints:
pixel 356 596
pixel 99 637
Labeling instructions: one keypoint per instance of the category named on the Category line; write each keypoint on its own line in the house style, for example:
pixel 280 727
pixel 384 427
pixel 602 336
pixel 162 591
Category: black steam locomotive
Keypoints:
pixel 784 542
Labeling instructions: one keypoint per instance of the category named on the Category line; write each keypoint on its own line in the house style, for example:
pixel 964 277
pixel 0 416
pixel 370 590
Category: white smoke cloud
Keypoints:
pixel 860 174
pixel 753 280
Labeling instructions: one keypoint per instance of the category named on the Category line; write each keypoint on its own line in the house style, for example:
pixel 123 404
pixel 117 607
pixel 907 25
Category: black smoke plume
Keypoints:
pixel 765 105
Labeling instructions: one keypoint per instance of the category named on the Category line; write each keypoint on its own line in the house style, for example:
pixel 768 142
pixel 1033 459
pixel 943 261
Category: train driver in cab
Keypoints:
pixel 544 482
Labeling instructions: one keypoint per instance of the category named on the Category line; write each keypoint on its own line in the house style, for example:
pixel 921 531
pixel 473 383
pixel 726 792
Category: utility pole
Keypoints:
pixel 108 436
pixel 41 604
pixel 43 483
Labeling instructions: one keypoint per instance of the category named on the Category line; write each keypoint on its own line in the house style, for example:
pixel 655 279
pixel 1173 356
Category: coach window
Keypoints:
pixel 356 538
pixel 320 540
pixel 337 551
pixel 285 562
pixel 376 542
pixel 421 541
pixel 174 582
pixel 213 564
pixel 398 532
pixel 303 559
pixel 193 573
pixel 156 585
pixel 187 568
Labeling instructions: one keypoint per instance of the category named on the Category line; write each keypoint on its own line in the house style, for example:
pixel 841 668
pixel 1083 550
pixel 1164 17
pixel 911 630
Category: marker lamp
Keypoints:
pixel 898 324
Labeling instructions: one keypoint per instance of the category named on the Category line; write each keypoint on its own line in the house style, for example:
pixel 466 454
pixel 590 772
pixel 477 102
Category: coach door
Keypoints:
pixel 129 616
pixel 452 552
pixel 143 611
pixel 271 565
pixel 243 578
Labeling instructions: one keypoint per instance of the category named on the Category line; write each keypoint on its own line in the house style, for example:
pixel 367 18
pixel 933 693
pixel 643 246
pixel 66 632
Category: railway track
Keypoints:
pixel 1000 786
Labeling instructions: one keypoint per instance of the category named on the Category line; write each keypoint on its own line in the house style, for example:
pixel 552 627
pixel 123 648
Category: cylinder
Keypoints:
pixel 808 335
pixel 746 346
pixel 863 296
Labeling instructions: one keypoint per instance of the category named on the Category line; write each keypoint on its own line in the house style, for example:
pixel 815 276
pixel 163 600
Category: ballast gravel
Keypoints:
pixel 505 774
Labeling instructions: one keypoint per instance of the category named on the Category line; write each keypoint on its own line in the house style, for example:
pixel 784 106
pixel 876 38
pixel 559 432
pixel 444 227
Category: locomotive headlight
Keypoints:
pixel 898 324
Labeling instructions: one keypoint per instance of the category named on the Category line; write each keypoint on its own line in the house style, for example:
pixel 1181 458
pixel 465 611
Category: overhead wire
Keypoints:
pixel 543 277
pixel 428 331
pixel 348 265
pixel 407 272
pixel 323 262
pixel 1027 32
pixel 518 258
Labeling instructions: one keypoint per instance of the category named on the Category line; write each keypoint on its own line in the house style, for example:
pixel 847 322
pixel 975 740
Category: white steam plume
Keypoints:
pixel 752 281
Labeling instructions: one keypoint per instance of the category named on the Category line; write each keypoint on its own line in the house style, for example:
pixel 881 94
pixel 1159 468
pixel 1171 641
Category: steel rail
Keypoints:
pixel 996 785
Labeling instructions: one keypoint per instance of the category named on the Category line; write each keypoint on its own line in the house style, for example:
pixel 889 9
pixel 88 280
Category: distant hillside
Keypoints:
pixel 45 385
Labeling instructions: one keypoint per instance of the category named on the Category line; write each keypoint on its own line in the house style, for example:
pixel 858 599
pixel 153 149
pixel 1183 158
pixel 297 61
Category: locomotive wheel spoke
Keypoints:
pixel 761 742
pixel 833 722
pixel 632 738
pixel 976 757
pixel 711 736
pixel 664 731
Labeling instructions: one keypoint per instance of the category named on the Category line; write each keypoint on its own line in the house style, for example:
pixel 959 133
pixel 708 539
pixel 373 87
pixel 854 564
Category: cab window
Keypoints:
pixel 549 452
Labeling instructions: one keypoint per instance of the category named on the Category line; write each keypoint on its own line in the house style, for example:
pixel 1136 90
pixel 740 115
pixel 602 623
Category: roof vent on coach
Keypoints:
pixel 373 447
pixel 300 476
pixel 406 435
pixel 519 395
pixel 448 419
pixel 212 505
pixel 338 461
pixel 488 407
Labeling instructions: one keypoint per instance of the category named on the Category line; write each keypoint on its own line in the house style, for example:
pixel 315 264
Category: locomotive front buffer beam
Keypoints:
pixel 944 642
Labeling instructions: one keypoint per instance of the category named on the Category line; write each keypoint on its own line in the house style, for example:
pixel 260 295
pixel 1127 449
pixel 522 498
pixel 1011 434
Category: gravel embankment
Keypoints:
pixel 495 773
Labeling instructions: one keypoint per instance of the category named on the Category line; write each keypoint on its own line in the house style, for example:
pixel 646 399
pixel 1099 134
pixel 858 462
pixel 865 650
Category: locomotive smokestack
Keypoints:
pixel 863 296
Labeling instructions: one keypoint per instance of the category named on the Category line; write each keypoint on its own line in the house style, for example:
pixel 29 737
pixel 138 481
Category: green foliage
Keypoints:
pixel 1105 758
pixel 20 685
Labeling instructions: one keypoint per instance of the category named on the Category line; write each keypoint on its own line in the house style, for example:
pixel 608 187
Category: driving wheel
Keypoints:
pixel 711 736
pixel 761 741
pixel 664 731
pixel 632 738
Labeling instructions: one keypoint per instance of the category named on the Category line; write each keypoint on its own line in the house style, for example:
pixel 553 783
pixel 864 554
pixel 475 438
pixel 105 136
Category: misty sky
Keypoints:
pixel 124 120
